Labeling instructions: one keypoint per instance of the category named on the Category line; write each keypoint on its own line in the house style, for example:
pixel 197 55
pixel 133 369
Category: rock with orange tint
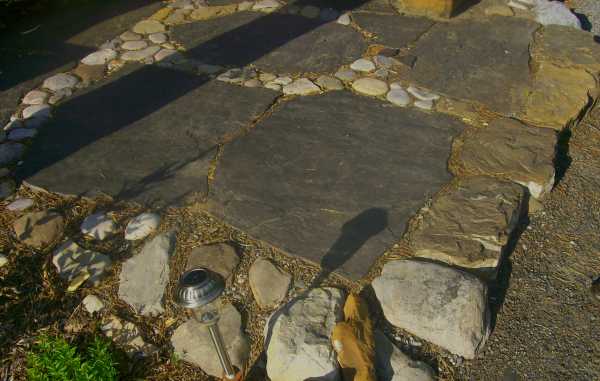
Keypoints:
pixel 432 8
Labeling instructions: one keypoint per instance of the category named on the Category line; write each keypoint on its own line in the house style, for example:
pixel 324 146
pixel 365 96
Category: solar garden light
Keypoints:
pixel 197 291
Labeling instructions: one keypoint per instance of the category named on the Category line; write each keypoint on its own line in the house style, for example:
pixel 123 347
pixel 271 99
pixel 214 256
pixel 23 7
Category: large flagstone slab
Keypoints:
pixel 393 30
pixel 333 178
pixel 147 134
pixel 280 43
pixel 485 61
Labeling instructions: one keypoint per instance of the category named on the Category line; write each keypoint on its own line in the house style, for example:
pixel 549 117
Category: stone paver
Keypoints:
pixel 470 224
pixel 477 60
pixel 275 43
pixel 512 150
pixel 144 276
pixel 315 178
pixel 132 140
pixel 393 30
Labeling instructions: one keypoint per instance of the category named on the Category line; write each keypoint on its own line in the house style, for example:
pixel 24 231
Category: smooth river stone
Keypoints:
pixel 370 86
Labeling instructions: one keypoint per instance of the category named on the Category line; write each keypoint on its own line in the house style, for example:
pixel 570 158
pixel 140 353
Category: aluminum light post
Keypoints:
pixel 197 291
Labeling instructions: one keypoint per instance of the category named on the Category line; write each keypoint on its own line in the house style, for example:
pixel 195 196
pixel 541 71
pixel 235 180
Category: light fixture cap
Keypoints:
pixel 198 287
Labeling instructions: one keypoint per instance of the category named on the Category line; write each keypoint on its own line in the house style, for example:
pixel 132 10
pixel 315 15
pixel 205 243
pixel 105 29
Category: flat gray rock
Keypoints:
pixel 393 30
pixel 514 151
pixel 280 43
pixel 269 284
pixel 39 229
pixel 72 261
pixel 470 224
pixel 144 276
pixel 445 306
pixel 148 134
pixel 221 258
pixel 485 61
pixel 192 343
pixel 333 178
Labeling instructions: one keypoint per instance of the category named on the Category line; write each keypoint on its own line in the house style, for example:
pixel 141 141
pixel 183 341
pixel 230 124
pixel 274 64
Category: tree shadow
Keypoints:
pixel 40 44
pixel 138 93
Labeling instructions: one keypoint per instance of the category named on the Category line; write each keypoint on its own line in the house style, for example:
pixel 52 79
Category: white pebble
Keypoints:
pixel 362 64
pixel 101 57
pixel 98 226
pixel 344 19
pixel 92 304
pixel 398 97
pixel 422 94
pixel 425 105
pixel 283 81
pixel 142 226
pixel 35 97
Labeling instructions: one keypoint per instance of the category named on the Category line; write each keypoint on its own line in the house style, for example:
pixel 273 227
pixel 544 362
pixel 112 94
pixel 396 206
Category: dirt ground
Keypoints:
pixel 548 327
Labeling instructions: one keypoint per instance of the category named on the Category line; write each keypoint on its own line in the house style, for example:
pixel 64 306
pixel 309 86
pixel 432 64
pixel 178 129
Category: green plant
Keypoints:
pixel 54 359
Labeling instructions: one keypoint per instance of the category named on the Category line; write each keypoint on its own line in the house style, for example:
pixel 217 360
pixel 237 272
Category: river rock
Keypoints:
pixel 445 306
pixel 41 111
pixel 512 150
pixel 3 260
pixel 329 83
pixel 192 343
pixel 302 86
pixel 60 81
pixel 269 284
pixel 297 337
pixel 142 226
pixel 370 86
pixel 130 36
pixel 148 27
pixel 470 224
pixel 139 55
pixel 101 57
pixel 98 226
pixel 145 275
pixel 205 13
pixel 35 97
pixel 399 97
pixel 362 64
pixel 134 45
pixel 39 229
pixel 92 304
pixel 73 261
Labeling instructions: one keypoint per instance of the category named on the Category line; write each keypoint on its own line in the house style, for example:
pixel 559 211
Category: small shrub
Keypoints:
pixel 53 359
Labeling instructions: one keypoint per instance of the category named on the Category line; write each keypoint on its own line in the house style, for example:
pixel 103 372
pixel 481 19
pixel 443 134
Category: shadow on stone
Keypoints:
pixel 48 47
pixel 135 130
pixel 355 233
pixel 562 160
pixel 498 287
